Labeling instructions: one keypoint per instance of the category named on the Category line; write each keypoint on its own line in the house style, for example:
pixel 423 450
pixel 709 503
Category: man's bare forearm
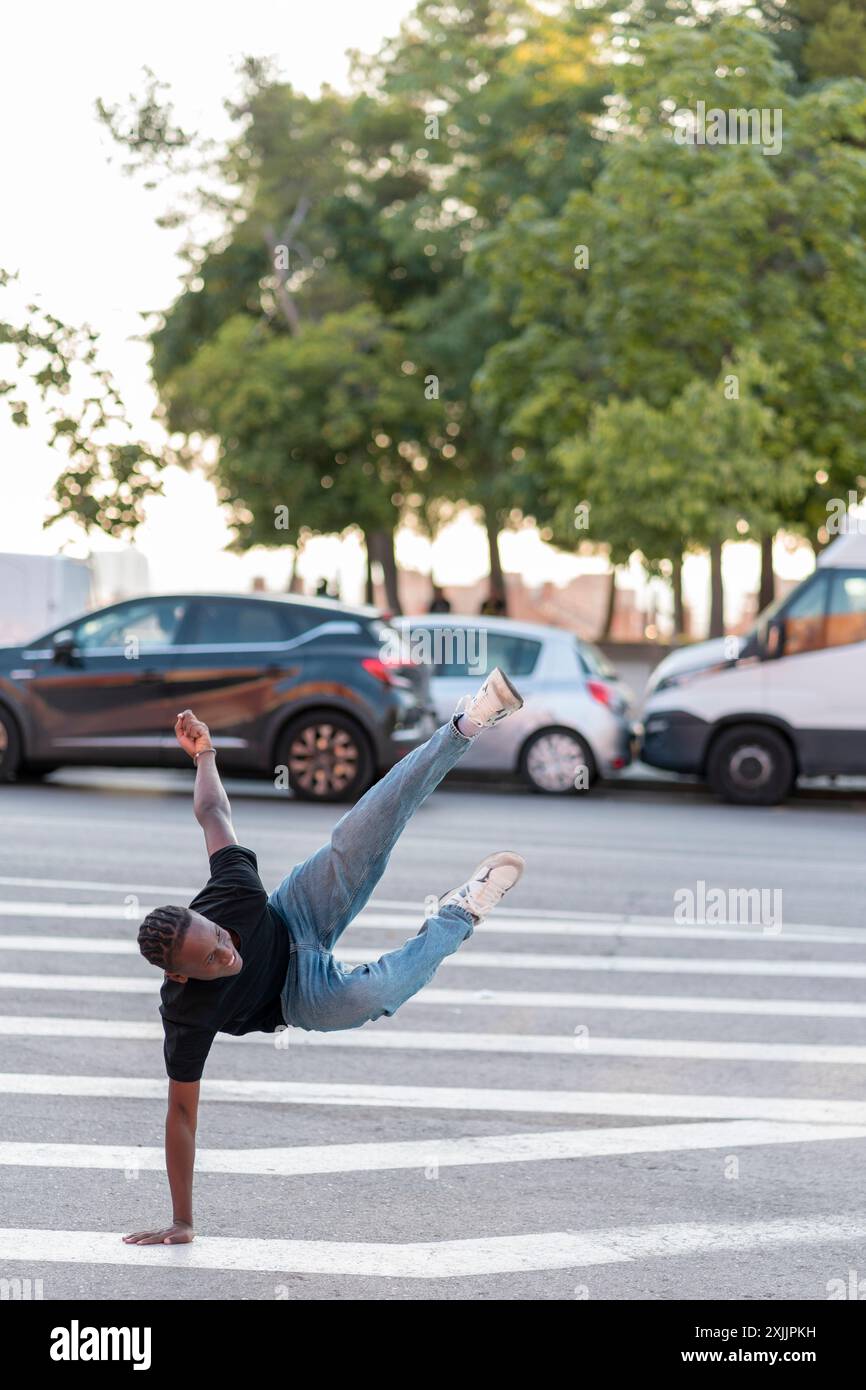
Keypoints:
pixel 209 797
pixel 180 1162
pixel 210 803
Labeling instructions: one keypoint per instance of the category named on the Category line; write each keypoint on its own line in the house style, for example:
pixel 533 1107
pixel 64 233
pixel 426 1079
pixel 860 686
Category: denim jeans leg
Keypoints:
pixel 324 996
pixel 321 896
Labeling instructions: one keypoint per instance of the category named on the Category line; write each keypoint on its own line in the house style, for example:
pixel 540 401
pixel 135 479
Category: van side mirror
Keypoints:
pixel 774 643
pixel 65 650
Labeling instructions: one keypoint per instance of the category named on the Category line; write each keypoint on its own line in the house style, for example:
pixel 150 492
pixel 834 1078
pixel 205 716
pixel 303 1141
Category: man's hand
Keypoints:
pixel 179 1233
pixel 191 733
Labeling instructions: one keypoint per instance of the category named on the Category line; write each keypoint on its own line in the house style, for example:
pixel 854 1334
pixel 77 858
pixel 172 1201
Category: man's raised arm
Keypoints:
pixel 210 803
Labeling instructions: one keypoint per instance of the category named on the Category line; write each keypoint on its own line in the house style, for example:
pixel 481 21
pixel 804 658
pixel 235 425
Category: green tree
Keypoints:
pixel 697 255
pixel 708 467
pixel 820 38
pixel 107 475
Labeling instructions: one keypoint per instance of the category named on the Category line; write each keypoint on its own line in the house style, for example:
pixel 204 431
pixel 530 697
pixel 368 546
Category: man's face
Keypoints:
pixel 208 952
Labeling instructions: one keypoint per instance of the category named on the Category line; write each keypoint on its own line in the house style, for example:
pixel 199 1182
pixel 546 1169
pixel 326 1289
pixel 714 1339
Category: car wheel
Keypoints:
pixel 35 773
pixel 328 757
pixel 751 765
pixel 558 762
pixel 10 747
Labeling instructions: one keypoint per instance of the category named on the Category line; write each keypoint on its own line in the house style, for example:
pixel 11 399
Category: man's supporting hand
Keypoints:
pixel 179 1233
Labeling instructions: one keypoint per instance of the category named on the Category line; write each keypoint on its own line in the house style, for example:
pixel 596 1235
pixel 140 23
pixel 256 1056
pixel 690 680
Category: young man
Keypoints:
pixel 240 961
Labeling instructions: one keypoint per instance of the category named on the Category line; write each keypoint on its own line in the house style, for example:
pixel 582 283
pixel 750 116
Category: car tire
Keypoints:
pixel 35 773
pixel 751 765
pixel 550 759
pixel 327 756
pixel 10 747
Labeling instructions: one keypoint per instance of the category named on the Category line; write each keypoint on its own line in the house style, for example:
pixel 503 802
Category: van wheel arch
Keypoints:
pixel 751 761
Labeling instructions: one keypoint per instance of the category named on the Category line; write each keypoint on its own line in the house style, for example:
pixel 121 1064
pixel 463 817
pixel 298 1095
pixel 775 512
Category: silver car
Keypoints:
pixel 576 723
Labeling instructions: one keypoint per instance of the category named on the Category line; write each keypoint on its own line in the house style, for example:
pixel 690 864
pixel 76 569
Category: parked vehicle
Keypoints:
pixel 575 725
pixel 38 591
pixel 282 682
pixel 752 714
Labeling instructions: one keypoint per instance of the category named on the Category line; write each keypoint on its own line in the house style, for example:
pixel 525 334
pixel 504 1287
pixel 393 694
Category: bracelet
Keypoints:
pixel 196 756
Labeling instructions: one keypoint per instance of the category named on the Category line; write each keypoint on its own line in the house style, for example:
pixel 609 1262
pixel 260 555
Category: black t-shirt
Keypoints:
pixel 249 1002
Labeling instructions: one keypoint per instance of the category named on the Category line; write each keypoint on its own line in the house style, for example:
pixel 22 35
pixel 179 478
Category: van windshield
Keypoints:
pixel 757 636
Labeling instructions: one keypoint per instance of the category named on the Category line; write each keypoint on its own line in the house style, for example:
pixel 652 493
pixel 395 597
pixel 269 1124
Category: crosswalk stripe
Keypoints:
pixel 651 931
pixel 661 1105
pixel 510 998
pixel 374 917
pixel 526 960
pixel 429 1259
pixel 402 1039
pixel 109 912
pixel 91 885
pixel 549 1145
pixel 659 965
pixel 411 906
pixel 650 1003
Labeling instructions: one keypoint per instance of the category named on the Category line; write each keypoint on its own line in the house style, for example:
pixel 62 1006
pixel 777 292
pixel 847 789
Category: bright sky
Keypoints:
pixel 83 238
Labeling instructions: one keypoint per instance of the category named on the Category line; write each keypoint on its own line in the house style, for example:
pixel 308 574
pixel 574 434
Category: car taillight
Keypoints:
pixel 377 669
pixel 601 692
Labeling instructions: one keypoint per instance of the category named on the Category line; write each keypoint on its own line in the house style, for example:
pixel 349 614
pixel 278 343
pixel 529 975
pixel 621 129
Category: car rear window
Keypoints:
pixel 464 650
pixel 594 661
pixel 215 622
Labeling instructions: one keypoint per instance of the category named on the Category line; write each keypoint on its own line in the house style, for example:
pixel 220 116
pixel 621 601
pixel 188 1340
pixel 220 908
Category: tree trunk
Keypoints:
pixel 380 546
pixel 717 595
pixel 679 606
pixel 290 582
pixel 285 300
pixel 767 587
pixel 369 593
pixel 497 578
pixel 610 609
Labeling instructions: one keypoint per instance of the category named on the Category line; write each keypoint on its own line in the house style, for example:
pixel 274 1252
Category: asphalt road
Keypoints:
pixel 591 1100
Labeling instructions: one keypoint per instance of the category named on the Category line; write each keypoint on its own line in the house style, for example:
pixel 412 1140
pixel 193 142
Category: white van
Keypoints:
pixel 752 713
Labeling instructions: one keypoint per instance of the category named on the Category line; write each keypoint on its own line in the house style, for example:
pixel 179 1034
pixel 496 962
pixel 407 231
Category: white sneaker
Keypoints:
pixel 488 885
pixel 496 699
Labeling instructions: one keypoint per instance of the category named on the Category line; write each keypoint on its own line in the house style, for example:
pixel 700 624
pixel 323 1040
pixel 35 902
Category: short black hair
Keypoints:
pixel 161 934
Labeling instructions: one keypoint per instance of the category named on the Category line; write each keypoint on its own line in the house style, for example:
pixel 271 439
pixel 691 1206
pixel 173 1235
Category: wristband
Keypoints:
pixel 196 756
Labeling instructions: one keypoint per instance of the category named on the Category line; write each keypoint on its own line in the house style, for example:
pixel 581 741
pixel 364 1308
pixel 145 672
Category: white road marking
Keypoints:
pixel 498 998
pixel 549 1145
pixel 539 925
pixel 106 912
pixel 651 1003
pixel 399 914
pixel 641 1104
pixel 81 984
pixel 628 965
pixel 70 945
pixel 91 885
pixel 447 1259
pixel 404 1039
pixel 658 965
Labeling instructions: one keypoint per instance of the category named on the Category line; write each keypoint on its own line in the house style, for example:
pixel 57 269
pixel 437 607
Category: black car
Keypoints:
pixel 302 691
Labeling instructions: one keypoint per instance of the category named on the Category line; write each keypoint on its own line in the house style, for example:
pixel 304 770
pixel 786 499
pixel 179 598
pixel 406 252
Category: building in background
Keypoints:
pixel 38 592
pixel 119 574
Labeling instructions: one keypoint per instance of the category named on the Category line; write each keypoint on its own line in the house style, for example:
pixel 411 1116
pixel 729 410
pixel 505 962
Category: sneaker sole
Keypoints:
pixel 516 693
pixel 505 855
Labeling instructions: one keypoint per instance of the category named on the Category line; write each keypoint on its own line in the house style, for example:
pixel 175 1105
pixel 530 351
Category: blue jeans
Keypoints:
pixel 320 897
